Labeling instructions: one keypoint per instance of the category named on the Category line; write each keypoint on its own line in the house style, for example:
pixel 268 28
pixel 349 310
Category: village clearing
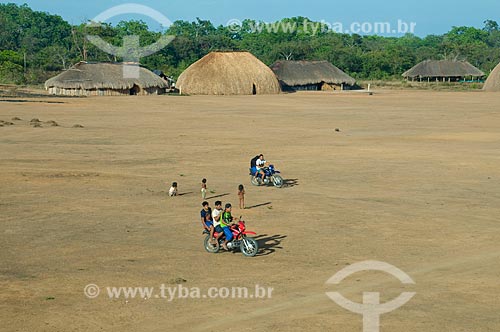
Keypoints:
pixel 408 178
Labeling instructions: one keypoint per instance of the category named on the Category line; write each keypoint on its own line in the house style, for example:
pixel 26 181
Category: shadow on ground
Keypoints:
pixel 269 244
pixel 217 196
pixel 257 205
pixel 288 183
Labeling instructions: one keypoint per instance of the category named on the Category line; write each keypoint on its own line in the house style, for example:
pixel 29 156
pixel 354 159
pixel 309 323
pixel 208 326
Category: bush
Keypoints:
pixel 11 56
pixel 11 73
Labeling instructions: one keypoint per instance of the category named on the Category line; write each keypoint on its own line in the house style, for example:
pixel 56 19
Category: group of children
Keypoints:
pixel 218 221
pixel 173 191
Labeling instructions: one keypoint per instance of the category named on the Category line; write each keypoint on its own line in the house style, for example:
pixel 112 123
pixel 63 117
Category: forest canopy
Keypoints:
pixel 36 45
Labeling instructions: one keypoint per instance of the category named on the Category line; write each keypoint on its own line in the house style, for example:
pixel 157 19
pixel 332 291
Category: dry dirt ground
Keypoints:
pixel 411 179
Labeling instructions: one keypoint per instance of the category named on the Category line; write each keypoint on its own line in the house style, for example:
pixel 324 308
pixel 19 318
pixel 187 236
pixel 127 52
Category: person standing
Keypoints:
pixel 241 196
pixel 204 188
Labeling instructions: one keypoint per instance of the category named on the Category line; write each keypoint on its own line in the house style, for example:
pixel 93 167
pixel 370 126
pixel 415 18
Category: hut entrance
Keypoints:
pixel 254 89
pixel 135 90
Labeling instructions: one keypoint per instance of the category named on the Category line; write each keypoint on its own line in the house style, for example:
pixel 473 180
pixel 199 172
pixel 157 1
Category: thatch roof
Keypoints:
pixel 228 73
pixel 493 81
pixel 443 68
pixel 293 73
pixel 88 76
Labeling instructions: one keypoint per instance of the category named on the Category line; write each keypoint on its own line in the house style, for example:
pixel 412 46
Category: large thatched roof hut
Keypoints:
pixel 442 70
pixel 311 75
pixel 228 73
pixel 105 79
pixel 493 82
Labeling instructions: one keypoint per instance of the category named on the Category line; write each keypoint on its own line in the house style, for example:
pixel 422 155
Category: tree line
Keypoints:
pixel 36 45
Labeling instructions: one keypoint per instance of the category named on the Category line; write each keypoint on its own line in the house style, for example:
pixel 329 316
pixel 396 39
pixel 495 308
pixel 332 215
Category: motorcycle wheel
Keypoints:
pixel 278 181
pixel 255 180
pixel 249 247
pixel 212 248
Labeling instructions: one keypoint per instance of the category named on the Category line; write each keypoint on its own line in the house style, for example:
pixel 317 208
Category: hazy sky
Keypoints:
pixel 431 16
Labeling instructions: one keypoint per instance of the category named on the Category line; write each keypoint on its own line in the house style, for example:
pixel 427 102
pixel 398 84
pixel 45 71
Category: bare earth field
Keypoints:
pixel 411 179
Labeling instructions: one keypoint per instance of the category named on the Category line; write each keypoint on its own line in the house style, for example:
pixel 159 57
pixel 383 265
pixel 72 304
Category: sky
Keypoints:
pixel 429 16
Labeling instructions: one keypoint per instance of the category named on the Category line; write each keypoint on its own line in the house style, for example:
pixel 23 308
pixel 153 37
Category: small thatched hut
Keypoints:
pixel 311 75
pixel 228 73
pixel 105 79
pixel 442 71
pixel 493 82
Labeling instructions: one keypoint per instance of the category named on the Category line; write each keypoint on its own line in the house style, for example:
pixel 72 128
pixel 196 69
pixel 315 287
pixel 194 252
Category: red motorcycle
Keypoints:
pixel 248 246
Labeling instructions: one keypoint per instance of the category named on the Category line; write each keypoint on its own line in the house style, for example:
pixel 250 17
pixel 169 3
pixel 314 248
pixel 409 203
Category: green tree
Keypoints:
pixel 490 26
pixel 11 73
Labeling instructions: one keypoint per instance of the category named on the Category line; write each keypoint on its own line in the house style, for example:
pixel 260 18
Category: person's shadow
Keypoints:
pixel 217 196
pixel 257 205
pixel 269 244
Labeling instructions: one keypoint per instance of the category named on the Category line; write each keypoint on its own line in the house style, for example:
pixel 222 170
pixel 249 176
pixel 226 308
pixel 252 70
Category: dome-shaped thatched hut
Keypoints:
pixel 493 82
pixel 228 73
pixel 105 79
pixel 311 75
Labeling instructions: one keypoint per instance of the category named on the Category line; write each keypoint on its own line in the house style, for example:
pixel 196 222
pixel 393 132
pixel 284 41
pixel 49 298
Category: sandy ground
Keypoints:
pixel 411 179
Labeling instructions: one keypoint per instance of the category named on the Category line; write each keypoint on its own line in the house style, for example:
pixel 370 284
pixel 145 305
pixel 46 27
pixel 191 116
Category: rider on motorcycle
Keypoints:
pixel 216 217
pixel 257 165
pixel 225 222
pixel 206 219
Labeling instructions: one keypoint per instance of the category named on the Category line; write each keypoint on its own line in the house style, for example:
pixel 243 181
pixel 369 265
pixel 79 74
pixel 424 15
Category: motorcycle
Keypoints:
pixel 272 175
pixel 248 246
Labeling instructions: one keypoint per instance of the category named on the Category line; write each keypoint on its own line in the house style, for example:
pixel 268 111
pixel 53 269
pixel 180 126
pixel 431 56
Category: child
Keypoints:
pixel 241 195
pixel 216 216
pixel 225 222
pixel 204 188
pixel 206 220
pixel 173 190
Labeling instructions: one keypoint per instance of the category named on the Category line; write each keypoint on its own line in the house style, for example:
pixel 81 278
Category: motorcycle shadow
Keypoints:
pixel 288 183
pixel 268 244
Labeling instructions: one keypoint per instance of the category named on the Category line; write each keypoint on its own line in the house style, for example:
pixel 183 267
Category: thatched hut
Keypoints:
pixel 105 79
pixel 311 75
pixel 443 71
pixel 493 82
pixel 228 73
